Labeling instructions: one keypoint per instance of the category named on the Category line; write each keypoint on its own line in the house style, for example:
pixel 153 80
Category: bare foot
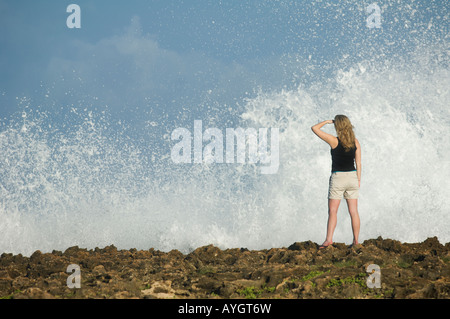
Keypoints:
pixel 325 244
pixel 354 244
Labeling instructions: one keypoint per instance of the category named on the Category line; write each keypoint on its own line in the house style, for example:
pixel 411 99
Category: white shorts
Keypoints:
pixel 343 184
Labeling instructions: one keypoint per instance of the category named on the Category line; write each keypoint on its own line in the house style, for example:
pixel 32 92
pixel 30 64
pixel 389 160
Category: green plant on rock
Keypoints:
pixel 249 292
pixel 345 263
pixel 17 291
pixel 265 288
pixel 359 279
pixel 207 270
pixel 313 274
pixel 253 292
pixel 404 264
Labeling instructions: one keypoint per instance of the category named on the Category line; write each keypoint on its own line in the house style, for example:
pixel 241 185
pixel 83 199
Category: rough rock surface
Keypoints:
pixel 408 270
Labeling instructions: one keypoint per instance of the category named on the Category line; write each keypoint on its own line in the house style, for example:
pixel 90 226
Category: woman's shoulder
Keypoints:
pixel 334 143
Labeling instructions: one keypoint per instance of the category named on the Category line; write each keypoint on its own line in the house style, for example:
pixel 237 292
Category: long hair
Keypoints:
pixel 344 130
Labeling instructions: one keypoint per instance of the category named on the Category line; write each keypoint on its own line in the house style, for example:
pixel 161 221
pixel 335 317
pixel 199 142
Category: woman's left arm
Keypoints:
pixel 330 139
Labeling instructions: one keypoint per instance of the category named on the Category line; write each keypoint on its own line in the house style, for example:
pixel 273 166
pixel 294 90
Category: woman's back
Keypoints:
pixel 342 160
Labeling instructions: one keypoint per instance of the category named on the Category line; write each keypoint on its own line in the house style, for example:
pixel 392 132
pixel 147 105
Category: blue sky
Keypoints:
pixel 160 56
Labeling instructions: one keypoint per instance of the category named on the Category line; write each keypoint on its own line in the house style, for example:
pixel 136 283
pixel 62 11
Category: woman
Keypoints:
pixel 345 179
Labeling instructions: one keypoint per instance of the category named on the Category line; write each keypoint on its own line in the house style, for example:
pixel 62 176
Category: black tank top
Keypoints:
pixel 342 161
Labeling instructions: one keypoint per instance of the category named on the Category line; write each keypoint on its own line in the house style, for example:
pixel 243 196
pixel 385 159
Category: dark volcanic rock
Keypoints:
pixel 408 270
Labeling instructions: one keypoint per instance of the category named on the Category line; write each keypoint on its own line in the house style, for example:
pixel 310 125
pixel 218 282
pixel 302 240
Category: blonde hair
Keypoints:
pixel 344 130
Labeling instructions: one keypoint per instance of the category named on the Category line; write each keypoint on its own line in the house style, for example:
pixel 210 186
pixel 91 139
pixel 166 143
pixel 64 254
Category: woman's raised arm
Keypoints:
pixel 330 139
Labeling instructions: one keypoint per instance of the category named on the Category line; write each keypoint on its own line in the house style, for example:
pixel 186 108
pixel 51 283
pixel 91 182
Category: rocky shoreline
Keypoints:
pixel 407 271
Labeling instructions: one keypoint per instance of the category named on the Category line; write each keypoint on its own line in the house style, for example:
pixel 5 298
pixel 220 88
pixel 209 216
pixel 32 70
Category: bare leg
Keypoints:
pixel 353 211
pixel 333 205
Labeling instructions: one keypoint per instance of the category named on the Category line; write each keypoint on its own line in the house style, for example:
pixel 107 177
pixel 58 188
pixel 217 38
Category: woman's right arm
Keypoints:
pixel 358 161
